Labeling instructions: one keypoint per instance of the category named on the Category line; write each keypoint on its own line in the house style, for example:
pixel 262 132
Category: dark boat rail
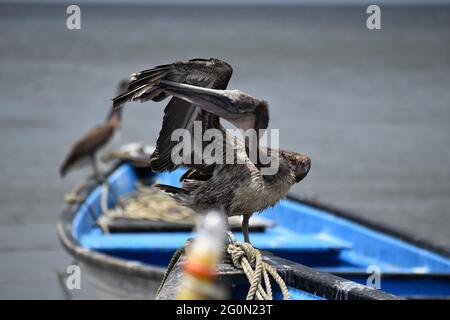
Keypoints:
pixel 321 284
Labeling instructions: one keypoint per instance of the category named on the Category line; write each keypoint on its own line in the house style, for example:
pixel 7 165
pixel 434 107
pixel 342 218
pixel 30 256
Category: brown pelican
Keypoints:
pixel 84 150
pixel 198 93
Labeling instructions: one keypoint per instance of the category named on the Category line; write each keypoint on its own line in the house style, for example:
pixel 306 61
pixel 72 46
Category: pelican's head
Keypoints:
pixel 300 164
pixel 302 168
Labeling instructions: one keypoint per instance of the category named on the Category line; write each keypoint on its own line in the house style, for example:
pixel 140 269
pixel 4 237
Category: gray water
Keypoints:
pixel 371 108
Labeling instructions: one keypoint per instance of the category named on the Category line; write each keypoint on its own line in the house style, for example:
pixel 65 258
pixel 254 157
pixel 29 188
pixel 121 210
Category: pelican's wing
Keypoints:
pixel 209 73
pixel 241 109
pixel 178 114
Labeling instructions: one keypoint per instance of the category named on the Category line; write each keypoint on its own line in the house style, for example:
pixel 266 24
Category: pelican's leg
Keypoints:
pixel 116 196
pixel 245 231
pixel 103 180
pixel 97 175
pixel 229 235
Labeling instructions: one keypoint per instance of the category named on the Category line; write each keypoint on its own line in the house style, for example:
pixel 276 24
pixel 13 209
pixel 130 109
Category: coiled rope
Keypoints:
pixel 244 256
pixel 249 259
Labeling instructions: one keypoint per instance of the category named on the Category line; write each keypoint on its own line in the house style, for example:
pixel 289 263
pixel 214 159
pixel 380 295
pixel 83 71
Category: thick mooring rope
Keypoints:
pixel 244 256
pixel 172 263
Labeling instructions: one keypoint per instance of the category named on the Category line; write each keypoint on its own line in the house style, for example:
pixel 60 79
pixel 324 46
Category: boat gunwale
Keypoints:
pixel 64 230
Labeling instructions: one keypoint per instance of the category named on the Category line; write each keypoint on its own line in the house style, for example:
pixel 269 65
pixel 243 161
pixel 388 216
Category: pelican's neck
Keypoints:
pixel 114 118
pixel 115 115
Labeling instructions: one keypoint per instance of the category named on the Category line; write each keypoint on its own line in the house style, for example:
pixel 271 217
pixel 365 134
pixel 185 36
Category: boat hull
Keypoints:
pixel 343 244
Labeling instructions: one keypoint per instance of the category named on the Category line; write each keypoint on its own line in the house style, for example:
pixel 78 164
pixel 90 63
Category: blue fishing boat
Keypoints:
pixel 321 252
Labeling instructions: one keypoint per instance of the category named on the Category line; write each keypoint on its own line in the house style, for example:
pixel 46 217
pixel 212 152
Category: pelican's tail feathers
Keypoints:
pixel 143 87
pixel 180 195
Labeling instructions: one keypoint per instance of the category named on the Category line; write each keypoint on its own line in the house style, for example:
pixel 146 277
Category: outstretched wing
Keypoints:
pixel 178 114
pixel 241 109
pixel 208 73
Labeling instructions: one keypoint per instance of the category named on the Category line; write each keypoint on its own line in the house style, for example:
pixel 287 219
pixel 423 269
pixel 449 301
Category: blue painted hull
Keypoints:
pixel 302 233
